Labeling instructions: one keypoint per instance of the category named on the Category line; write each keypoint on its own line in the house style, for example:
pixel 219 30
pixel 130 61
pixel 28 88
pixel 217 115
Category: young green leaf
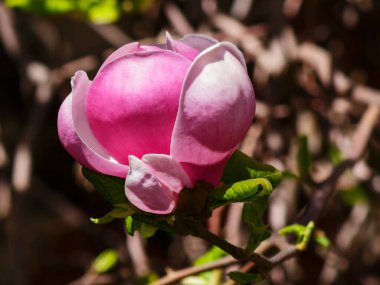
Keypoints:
pixel 147 279
pixel 321 239
pixel 147 230
pixel 214 253
pixel 242 167
pixel 303 233
pixel 242 191
pixel 354 195
pixel 131 225
pixel 303 157
pixel 245 278
pixel 122 211
pixel 253 216
pixel 105 261
pixel 111 188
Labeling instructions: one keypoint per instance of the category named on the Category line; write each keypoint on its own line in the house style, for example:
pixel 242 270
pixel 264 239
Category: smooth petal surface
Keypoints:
pixel 125 50
pixel 120 52
pixel 79 150
pixel 168 171
pixel 154 182
pixel 199 42
pixel 132 103
pixel 216 109
pixel 179 47
pixel 80 84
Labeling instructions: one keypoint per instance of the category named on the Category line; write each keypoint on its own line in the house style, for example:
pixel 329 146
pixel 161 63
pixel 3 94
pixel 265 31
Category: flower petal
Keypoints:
pixel 79 150
pixel 80 84
pixel 181 48
pixel 216 108
pixel 141 94
pixel 168 171
pixel 120 52
pixel 154 182
pixel 199 42
pixel 169 42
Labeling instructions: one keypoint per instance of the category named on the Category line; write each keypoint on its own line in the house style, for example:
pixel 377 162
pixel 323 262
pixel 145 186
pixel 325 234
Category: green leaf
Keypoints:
pixel 60 6
pixel 121 211
pixel 161 222
pixel 214 253
pixel 245 278
pixel 242 191
pixel 111 188
pixel 131 225
pixel 242 167
pixel 104 12
pixel 147 230
pixel 148 278
pixel 303 233
pixel 354 195
pixel 253 216
pixel 105 261
pixel 335 155
pixel 321 239
pixel 303 157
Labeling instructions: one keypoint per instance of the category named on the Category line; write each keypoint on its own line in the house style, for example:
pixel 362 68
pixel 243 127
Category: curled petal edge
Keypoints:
pixel 79 150
pixel 154 182
pixel 206 139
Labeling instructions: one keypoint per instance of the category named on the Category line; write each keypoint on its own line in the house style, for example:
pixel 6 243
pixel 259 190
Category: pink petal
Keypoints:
pixel 133 102
pixel 187 51
pixel 199 42
pixel 126 49
pixel 79 150
pixel 181 48
pixel 80 84
pixel 169 42
pixel 120 52
pixel 216 108
pixel 154 182
pixel 168 171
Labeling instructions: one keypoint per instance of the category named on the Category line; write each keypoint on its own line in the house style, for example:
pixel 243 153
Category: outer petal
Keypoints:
pixel 120 52
pixel 133 102
pixel 216 109
pixel 154 182
pixel 181 48
pixel 80 84
pixel 79 150
pixel 199 42
pixel 127 49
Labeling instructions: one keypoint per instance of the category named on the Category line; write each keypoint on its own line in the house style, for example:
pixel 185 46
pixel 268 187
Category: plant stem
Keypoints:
pixel 238 253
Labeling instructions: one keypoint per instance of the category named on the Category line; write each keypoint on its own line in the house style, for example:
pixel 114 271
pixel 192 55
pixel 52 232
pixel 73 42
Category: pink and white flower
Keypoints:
pixel 162 117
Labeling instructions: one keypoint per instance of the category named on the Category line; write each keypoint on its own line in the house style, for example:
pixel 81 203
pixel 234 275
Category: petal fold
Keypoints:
pixel 182 48
pixel 153 183
pixel 79 150
pixel 199 42
pixel 80 84
pixel 216 108
pixel 169 42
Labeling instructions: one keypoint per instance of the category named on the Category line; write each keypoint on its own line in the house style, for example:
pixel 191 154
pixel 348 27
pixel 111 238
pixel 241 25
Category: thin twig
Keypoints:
pixel 175 276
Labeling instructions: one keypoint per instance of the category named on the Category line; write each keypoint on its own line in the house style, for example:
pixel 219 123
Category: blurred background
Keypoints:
pixel 315 66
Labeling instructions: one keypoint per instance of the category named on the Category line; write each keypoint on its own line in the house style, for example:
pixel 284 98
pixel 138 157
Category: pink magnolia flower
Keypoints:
pixel 162 117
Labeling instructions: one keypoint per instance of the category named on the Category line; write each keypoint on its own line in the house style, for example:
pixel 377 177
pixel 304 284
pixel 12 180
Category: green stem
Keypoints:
pixel 238 253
